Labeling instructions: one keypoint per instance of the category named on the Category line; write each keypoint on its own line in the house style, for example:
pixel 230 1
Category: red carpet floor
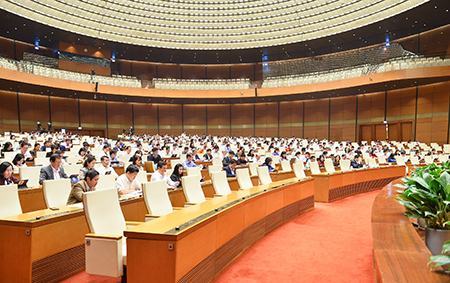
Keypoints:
pixel 332 243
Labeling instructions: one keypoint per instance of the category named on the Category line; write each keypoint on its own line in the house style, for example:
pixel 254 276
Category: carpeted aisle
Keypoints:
pixel 332 243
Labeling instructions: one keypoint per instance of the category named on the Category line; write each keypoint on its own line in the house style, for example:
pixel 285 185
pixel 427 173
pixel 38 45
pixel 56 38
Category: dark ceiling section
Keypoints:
pixel 378 87
pixel 422 18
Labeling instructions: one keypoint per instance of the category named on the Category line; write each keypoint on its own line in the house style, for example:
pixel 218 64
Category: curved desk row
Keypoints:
pixel 331 187
pixel 399 254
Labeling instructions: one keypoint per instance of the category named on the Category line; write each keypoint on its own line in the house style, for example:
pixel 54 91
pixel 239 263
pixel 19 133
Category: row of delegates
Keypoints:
pixel 174 180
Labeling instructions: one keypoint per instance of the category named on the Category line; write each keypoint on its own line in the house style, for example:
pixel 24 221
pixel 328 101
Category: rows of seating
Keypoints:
pixel 354 72
pixel 208 25
pixel 201 84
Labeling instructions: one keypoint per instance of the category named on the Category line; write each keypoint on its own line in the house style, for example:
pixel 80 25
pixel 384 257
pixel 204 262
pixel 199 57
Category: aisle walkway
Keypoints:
pixel 332 243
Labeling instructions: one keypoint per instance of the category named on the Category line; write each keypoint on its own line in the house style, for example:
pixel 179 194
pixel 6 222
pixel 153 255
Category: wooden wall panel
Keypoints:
pixel 145 118
pixel 343 118
pixel 194 119
pixel 401 104
pixel 266 119
pixel 242 120
pixel 291 119
pixel 8 112
pixel 193 72
pixel 219 120
pixel 316 118
pixel 432 113
pixel 370 109
pixel 120 118
pixel 218 72
pixel 93 114
pixel 170 120
pixel 64 112
pixel 33 108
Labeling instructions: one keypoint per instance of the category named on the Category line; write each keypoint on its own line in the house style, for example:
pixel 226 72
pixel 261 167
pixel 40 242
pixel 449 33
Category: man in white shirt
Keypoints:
pixel 160 174
pixel 127 182
pixel 105 167
pixel 24 150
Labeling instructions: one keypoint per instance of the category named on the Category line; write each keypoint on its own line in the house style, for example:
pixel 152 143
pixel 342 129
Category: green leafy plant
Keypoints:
pixel 442 260
pixel 427 195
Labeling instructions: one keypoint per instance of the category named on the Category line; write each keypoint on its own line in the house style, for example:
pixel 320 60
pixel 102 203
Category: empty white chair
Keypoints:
pixel 56 192
pixel 264 175
pixel 286 166
pixel 329 166
pixel 41 161
pixel 415 160
pixel 216 162
pixel 443 158
pixel 31 174
pixel 253 167
pixel 220 183
pixel 157 198
pixel 243 178
pixel 428 159
pixel 214 168
pixel 105 182
pixel 372 162
pixel 382 160
pixel 104 255
pixel 194 171
pixel 314 167
pixel 345 165
pixel 41 154
pixel 192 189
pixel 447 148
pixel 399 160
pixel 9 201
pixel 299 170
pixel 9 156
pixel 72 169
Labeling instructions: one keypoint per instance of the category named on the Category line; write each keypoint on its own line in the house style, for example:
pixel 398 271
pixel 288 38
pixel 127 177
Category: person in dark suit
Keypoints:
pixel 226 161
pixel 54 171
pixel 231 169
pixel 155 157
pixel 208 156
pixel 357 162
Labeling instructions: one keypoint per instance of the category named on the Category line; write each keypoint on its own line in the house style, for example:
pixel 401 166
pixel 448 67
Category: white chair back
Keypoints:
pixel 192 189
pixel 72 169
pixel 9 201
pixel 286 166
pixel 142 176
pixel 264 175
pixel 428 159
pixel 56 192
pixel 446 148
pixel 214 168
pixel 216 162
pixel 220 183
pixel 41 161
pixel 372 162
pixel 415 160
pixel 157 198
pixel 31 174
pixel 314 167
pixel 194 171
pixel 243 178
pixel 382 160
pixel 9 156
pixel 41 154
pixel 329 166
pixel 103 212
pixel 105 182
pixel 345 165
pixel 443 158
pixel 253 167
pixel 298 170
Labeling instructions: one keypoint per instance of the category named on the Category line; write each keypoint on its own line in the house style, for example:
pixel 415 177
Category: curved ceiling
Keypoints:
pixel 208 24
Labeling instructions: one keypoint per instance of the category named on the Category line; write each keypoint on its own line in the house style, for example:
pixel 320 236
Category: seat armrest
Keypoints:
pixel 216 195
pixel 103 236
pixel 152 216
pixel 177 208
pixel 189 203
pixel 209 198
pixel 133 223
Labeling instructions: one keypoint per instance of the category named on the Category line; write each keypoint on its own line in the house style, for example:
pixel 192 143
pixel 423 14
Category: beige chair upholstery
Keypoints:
pixel 372 162
pixel 104 255
pixel 382 160
pixel 41 154
pixel 286 166
pixel 214 168
pixel 56 192
pixel 298 170
pixel 41 161
pixel 415 160
pixel 428 159
pixel 9 201
pixel 72 169
pixel 345 165
pixel 31 174
pixel 216 162
pixel 157 198
pixel 243 178
pixel 399 160
pixel 194 171
pixel 192 189
pixel 142 176
pixel 9 156
pixel 314 167
pixel 253 167
pixel 329 166
pixel 443 158
pixel 105 182
pixel 220 183
pixel 264 175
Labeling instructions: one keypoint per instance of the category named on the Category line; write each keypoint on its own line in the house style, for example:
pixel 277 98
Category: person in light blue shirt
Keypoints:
pixel 189 162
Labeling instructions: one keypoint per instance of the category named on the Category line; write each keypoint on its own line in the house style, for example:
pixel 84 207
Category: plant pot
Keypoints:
pixel 435 238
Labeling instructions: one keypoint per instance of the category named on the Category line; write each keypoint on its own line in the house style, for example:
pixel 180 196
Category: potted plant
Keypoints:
pixel 442 260
pixel 427 198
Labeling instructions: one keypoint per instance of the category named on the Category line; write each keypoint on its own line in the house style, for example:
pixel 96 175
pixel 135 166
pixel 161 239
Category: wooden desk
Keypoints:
pixel 119 169
pixel 399 254
pixel 331 187
pixel 220 230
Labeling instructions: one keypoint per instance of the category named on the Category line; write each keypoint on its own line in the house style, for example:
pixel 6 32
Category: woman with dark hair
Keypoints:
pixel 19 160
pixel 137 160
pixel 268 163
pixel 88 164
pixel 53 149
pixel 7 147
pixel 177 174
pixel 6 174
